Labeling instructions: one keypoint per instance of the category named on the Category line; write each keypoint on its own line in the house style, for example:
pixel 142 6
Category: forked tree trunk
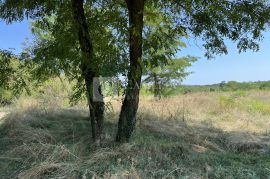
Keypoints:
pixel 127 119
pixel 96 106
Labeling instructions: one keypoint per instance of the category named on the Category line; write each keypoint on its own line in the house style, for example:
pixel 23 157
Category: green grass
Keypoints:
pixel 258 106
pixel 239 100
pixel 36 144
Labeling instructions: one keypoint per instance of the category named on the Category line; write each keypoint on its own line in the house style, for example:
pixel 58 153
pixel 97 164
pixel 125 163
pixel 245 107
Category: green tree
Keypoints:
pixel 89 72
pixel 233 85
pixel 212 20
pixel 168 75
pixel 14 77
pixel 160 46
pixel 67 45
pixel 221 85
pixel 240 21
pixel 264 85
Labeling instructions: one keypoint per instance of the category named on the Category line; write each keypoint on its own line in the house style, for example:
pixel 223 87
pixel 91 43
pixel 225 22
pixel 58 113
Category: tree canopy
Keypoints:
pixel 93 38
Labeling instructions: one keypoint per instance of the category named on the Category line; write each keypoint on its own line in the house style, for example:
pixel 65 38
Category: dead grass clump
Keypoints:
pixel 36 138
pixel 25 128
pixel 132 174
pixel 245 142
pixel 38 171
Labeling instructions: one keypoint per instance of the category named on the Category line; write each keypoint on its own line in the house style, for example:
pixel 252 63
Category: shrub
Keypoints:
pixel 258 106
pixel 227 102
pixel 5 97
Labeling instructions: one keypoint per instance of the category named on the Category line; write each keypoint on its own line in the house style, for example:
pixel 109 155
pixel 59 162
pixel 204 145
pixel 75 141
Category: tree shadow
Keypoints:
pixel 30 138
pixel 207 136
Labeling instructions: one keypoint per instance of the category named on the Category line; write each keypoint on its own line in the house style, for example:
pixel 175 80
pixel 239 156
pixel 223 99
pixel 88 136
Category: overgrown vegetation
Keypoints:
pixel 198 140
pixel 88 39
pixel 225 86
pixel 46 132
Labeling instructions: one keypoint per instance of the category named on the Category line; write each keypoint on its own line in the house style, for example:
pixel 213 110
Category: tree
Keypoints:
pixel 89 72
pixel 264 85
pixel 14 77
pixel 127 119
pixel 168 75
pixel 221 85
pixel 233 85
pixel 213 20
pixel 161 42
pixel 64 45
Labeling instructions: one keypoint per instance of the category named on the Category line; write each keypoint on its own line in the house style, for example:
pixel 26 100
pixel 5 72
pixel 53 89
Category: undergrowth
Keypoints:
pixel 239 101
pixel 37 143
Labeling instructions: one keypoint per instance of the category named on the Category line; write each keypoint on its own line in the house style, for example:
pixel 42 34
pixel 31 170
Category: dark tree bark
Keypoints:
pixel 157 90
pixel 127 119
pixel 96 106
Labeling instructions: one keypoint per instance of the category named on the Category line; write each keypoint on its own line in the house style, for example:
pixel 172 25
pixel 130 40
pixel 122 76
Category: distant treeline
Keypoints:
pixel 61 87
pixel 226 86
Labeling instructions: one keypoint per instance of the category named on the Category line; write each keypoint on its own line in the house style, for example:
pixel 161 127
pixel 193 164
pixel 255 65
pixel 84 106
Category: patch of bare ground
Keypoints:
pixel 2 114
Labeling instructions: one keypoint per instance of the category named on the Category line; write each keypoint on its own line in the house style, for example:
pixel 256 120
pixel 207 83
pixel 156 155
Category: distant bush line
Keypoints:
pixel 6 96
pixel 226 86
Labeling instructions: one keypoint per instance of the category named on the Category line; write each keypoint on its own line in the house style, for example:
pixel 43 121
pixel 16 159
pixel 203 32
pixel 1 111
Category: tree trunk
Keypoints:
pixel 157 90
pixel 127 118
pixel 96 106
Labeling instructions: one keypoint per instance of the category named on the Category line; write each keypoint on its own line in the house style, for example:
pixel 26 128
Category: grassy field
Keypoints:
pixel 199 135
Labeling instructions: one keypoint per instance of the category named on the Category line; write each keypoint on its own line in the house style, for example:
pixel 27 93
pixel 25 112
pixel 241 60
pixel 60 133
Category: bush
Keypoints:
pixel 227 102
pixel 257 106
pixel 5 97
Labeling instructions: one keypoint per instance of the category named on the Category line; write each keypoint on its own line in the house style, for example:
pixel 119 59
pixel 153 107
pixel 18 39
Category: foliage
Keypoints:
pixel 226 86
pixel 14 77
pixel 228 102
pixel 161 39
pixel 169 75
pixel 160 45
pixel 217 20
pixel 5 97
pixel 258 106
pixel 56 48
pixel 237 100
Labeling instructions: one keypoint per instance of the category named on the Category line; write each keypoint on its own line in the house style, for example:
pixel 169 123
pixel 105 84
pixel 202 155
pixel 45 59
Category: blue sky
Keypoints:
pixel 248 66
pixel 12 36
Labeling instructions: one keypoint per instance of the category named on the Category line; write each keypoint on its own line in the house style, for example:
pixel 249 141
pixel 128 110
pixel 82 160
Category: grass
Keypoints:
pixel 188 136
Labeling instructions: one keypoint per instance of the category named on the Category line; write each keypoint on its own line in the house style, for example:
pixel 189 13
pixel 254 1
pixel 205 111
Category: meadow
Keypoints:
pixel 194 135
pixel 49 130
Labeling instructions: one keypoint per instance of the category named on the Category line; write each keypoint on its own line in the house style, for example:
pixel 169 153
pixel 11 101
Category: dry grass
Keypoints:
pixel 188 136
pixel 206 109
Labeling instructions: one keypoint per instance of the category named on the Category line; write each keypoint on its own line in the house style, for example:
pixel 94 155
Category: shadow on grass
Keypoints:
pixel 35 144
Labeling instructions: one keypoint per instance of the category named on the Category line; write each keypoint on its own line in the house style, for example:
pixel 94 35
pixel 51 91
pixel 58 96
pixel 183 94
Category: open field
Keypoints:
pixel 198 135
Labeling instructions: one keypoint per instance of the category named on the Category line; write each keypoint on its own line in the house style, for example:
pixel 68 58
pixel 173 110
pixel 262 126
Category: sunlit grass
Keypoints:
pixel 187 136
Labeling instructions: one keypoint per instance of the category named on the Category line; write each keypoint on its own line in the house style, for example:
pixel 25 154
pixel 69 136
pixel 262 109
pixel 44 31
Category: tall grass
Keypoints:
pixel 41 141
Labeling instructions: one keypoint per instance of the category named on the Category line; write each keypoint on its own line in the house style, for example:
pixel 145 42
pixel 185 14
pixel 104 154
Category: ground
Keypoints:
pixel 199 135
pixel 2 114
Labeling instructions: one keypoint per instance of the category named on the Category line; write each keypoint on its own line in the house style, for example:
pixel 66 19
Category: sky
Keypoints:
pixel 13 36
pixel 247 66
pixel 244 67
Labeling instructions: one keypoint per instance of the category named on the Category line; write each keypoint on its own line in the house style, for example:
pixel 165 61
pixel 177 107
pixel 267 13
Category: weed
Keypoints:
pixel 57 143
